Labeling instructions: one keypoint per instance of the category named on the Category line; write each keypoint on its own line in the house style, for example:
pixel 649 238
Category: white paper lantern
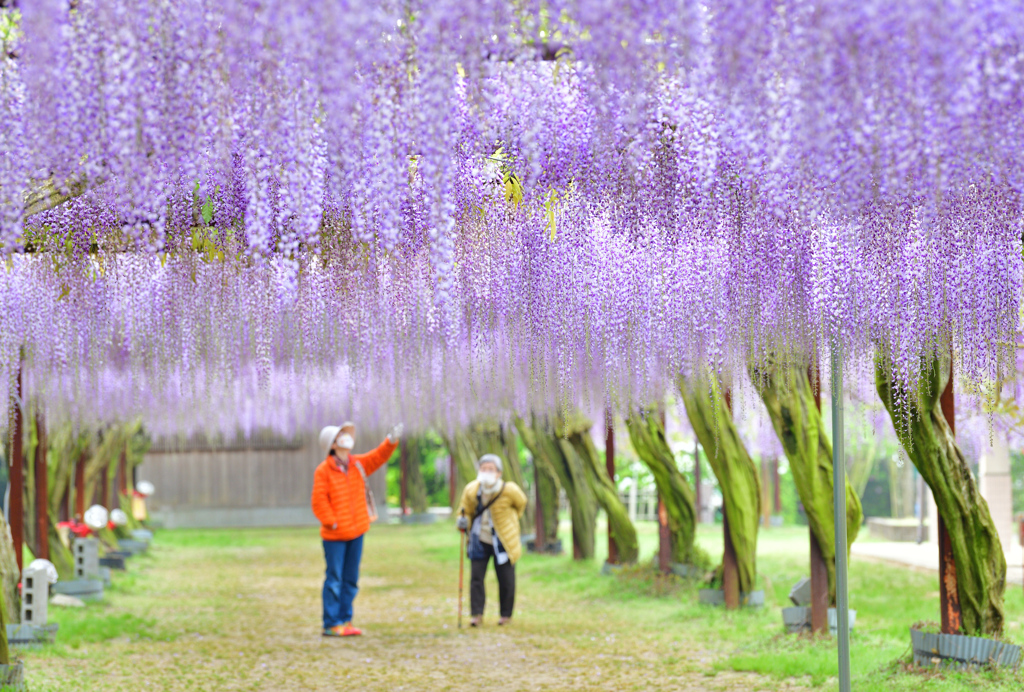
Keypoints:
pixel 96 517
pixel 51 571
pixel 118 517
pixel 145 488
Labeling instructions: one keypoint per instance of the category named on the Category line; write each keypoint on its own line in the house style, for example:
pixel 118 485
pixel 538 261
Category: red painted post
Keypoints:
pixel 80 487
pixel 949 595
pixel 820 600
pixel 403 464
pixel 609 464
pixel 42 493
pixel 664 536
pixel 16 512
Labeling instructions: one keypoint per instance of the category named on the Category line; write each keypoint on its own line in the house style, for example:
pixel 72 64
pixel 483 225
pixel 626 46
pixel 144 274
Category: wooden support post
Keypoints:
pixel 42 493
pixel 609 464
pixel 697 499
pixel 949 595
pixel 16 511
pixel 80 487
pixel 540 541
pixel 403 479
pixel 820 599
pixel 730 567
pixel 664 535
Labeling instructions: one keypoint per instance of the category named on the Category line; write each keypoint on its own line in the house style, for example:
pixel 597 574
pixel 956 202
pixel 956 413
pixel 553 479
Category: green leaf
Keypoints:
pixel 207 210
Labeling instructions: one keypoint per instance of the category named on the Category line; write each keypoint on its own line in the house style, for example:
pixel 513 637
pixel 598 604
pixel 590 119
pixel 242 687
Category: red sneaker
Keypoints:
pixel 342 631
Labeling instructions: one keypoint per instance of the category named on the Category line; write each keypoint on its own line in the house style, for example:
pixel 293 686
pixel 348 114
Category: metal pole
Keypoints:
pixel 839 509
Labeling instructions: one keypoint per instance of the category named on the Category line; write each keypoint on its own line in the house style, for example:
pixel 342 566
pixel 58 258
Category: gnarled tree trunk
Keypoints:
pixel 787 394
pixel 415 485
pixel 647 434
pixel 558 456
pixel 547 497
pixel 605 491
pixel 929 442
pixel 735 470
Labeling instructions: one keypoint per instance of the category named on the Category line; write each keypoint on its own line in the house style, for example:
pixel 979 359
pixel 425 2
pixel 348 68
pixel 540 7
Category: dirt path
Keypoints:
pixel 240 611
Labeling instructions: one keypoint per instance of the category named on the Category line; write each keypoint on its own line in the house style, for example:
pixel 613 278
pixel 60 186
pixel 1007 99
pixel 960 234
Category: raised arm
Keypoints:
pixel 372 461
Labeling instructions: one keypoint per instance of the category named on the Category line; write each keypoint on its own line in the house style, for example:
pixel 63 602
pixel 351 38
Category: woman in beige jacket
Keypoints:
pixel 490 510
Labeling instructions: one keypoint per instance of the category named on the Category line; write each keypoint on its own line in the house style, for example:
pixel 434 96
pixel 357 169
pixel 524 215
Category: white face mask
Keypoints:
pixel 344 442
pixel 487 478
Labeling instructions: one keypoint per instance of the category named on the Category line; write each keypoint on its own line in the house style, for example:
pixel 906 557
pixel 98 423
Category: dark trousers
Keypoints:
pixel 341 583
pixel 506 584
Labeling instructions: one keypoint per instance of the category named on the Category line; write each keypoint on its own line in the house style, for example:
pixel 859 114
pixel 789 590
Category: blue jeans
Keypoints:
pixel 342 581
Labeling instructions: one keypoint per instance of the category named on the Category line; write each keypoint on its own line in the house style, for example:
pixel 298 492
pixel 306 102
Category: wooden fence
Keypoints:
pixel 264 481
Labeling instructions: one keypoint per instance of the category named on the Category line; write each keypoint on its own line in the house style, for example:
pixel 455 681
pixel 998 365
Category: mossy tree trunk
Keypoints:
pixel 787 394
pixel 930 444
pixel 560 459
pixel 547 497
pixel 9 579
pixel 647 434
pixel 622 529
pixel 415 485
pixel 735 470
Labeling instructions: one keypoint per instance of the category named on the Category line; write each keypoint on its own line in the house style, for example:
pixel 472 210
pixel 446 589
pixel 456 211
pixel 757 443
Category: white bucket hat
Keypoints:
pixel 329 434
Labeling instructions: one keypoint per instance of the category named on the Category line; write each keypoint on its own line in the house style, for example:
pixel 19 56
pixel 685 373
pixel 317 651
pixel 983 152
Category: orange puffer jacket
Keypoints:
pixel 339 497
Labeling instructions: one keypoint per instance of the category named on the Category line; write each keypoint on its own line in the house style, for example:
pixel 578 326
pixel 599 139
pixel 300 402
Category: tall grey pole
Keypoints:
pixel 839 510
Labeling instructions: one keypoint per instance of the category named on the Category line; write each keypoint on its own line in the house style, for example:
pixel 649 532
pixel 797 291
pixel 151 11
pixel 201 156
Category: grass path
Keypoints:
pixel 239 610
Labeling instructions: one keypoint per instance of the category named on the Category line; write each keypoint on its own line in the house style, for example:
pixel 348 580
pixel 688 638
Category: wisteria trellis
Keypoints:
pixel 448 208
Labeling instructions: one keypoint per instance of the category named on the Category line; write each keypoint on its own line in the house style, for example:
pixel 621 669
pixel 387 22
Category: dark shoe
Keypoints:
pixel 475 621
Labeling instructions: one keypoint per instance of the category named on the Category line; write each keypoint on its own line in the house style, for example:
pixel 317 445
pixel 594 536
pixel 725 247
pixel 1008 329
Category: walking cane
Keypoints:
pixel 462 561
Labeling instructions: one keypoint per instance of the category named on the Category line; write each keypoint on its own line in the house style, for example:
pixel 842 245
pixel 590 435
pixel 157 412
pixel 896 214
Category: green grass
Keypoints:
pixel 232 609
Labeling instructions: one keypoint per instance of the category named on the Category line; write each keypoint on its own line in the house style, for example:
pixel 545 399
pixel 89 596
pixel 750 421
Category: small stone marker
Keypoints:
pixel 800 594
pixel 35 594
pixel 87 558
pixel 65 601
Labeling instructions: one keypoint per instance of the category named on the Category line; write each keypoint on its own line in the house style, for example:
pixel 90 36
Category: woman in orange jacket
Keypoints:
pixel 342 504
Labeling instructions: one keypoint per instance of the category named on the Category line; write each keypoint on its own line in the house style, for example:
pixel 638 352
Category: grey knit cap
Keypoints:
pixel 494 459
